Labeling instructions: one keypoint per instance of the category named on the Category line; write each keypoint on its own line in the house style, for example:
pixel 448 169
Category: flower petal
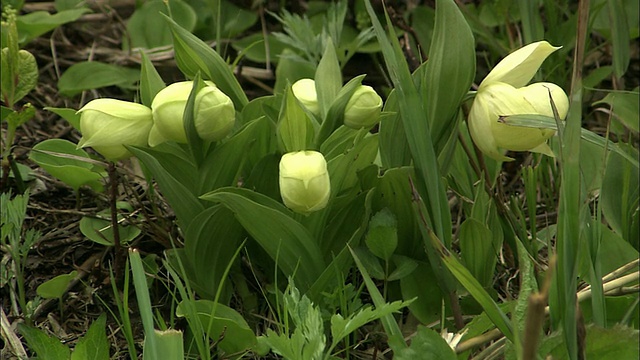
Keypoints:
pixel 519 67
pixel 479 122
pixel 537 95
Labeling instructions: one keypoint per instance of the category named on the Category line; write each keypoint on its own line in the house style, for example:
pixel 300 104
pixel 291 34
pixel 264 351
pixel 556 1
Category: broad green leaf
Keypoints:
pixel 94 344
pixel 225 163
pixel 370 262
pixel 71 115
pixel 619 193
pixel 625 107
pixel 477 249
pixel 295 129
pixel 290 70
pixel 236 334
pixel 404 267
pixel 90 75
pixel 17 118
pixel 618 342
pixel 285 240
pixel 56 287
pixel 210 242
pixel 45 346
pixel 32 25
pixel 168 342
pixel 100 230
pixel 328 79
pixel 449 72
pixel 427 345
pixel 73 166
pixel 18 82
pixel 150 81
pixel 394 149
pixel 619 36
pixel 179 196
pixel 382 237
pixel 421 285
pixel 193 55
pixel 146 29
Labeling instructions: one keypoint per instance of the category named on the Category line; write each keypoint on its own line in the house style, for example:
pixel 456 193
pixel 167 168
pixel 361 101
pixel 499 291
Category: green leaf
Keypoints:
pixel 56 287
pixel 404 267
pixel 341 327
pixel 619 193
pixel 478 252
pixel 94 344
pixel 328 79
pixel 34 24
pixel 237 335
pixel 99 230
pixel 295 129
pixel 618 342
pixel 148 30
pixel 73 166
pixel 427 345
pixel 285 240
pixel 193 55
pixel 619 37
pixel 625 107
pixel 45 346
pixel 90 75
pixel 16 83
pixel 382 237
pixel 71 115
pixel 420 285
pixel 180 196
pixel 150 81
pixel 449 72
pixel 335 114
pixel 210 242
pixel 169 343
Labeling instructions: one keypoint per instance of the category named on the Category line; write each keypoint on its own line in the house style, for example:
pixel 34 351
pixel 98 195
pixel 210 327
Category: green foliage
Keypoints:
pixel 146 29
pixel 93 75
pixel 99 229
pixel 55 288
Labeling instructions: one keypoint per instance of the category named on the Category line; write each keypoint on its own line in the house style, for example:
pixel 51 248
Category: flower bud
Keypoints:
pixel 363 108
pixel 305 91
pixel 503 92
pixel 107 125
pixel 304 181
pixel 213 110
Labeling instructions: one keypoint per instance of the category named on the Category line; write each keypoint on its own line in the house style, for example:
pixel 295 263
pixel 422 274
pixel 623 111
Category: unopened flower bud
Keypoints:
pixel 108 124
pixel 363 108
pixel 304 181
pixel 305 91
pixel 213 110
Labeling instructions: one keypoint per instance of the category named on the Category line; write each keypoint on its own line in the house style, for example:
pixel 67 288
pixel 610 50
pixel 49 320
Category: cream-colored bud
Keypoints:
pixel 304 181
pixel 108 124
pixel 503 92
pixel 363 108
pixel 214 113
pixel 305 91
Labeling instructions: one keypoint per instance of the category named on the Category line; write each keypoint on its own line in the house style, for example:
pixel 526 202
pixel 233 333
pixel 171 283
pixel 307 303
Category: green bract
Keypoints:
pixel 213 110
pixel 305 91
pixel 107 125
pixel 363 108
pixel 503 92
pixel 304 181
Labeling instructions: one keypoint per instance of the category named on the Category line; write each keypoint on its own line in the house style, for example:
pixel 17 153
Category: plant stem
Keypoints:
pixel 113 181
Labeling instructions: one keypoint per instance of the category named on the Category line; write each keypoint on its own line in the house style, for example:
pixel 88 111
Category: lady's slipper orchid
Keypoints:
pixel 304 181
pixel 214 113
pixel 305 91
pixel 108 124
pixel 503 92
pixel 363 108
